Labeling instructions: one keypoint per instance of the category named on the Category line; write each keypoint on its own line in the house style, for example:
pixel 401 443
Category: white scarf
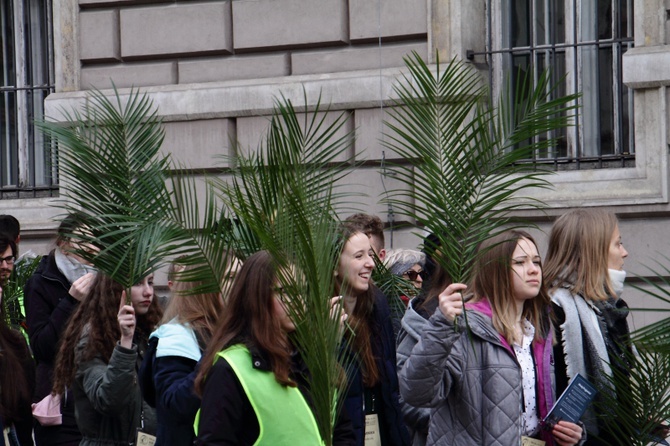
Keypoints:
pixel 617 278
pixel 71 268
pixel 580 315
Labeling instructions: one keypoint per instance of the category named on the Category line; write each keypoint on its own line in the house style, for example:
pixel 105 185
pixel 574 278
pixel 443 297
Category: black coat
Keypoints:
pixel 394 432
pixel 48 308
pixel 22 417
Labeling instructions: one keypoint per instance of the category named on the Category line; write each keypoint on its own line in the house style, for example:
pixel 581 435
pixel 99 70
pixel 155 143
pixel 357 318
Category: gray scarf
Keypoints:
pixel 583 345
pixel 71 268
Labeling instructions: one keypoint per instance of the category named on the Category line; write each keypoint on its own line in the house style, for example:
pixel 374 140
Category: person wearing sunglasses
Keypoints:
pixel 408 264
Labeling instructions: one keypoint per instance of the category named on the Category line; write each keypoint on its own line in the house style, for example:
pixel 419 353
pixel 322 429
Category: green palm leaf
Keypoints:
pixel 285 200
pixel 637 414
pixel 111 173
pixel 464 174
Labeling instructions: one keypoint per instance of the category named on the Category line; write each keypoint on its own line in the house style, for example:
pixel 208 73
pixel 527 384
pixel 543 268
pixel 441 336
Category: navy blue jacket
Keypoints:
pixel 176 402
pixel 387 403
pixel 171 370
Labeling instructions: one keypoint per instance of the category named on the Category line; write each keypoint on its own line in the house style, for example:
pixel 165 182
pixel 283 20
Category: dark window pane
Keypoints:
pixel 542 25
pixel 605 19
pixel 606 100
pixel 7 68
pixel 558 20
pixel 8 141
pixel 520 23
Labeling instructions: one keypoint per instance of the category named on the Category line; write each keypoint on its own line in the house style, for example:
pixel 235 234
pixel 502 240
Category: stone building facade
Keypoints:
pixel 215 67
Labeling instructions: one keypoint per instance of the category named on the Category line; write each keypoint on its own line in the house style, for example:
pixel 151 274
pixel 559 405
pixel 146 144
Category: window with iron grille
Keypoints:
pixel 581 42
pixel 27 164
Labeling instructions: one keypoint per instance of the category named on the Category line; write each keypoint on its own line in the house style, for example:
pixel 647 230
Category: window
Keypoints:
pixel 26 67
pixel 583 40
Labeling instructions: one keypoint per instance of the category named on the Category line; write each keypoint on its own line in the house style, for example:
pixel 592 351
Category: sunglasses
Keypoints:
pixel 412 275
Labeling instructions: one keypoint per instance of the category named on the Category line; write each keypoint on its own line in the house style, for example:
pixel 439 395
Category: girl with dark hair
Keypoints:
pixel 253 384
pixel 488 382
pixel 99 356
pixel 62 279
pixel 372 397
pixel 17 382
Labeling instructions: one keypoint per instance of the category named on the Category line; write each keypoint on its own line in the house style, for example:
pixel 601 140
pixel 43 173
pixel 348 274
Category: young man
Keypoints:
pixel 372 226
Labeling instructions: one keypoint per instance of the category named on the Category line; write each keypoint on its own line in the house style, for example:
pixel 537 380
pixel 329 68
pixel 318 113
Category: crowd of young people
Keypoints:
pixel 476 363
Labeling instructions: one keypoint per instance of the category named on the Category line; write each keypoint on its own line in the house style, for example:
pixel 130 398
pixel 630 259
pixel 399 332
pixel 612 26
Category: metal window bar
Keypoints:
pixel 600 138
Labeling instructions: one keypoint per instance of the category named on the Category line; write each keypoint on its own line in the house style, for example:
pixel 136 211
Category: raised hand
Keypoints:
pixel 127 322
pixel 82 286
pixel 337 311
pixel 451 301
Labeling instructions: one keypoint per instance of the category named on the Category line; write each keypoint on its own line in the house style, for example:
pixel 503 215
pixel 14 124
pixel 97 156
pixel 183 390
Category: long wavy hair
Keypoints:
pixel 15 392
pixel 493 281
pixel 200 311
pixel 249 319
pixel 96 317
pixel 361 319
pixel 578 253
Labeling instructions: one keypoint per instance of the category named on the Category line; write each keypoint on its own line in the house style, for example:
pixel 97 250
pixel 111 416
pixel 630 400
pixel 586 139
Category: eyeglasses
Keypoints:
pixel 413 275
pixel 9 260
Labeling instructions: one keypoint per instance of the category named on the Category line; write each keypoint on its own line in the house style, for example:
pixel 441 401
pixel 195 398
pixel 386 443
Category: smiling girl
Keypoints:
pixel 99 357
pixel 372 397
pixel 489 382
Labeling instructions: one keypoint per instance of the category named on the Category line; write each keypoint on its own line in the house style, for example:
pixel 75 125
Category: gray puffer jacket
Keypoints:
pixel 108 401
pixel 472 381
pixel 412 325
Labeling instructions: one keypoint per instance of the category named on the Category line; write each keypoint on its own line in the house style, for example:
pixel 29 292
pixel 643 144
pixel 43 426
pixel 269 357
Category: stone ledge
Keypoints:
pixel 254 97
pixel 647 67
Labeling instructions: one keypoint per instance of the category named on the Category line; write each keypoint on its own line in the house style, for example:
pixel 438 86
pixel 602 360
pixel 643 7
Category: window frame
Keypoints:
pixel 28 166
pixel 574 51
pixel 644 186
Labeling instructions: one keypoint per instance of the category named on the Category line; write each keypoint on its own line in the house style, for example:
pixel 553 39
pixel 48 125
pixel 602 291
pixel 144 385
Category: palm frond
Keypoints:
pixel 112 175
pixel 203 231
pixel 12 291
pixel 637 413
pixel 466 174
pixel 285 200
pixel 393 287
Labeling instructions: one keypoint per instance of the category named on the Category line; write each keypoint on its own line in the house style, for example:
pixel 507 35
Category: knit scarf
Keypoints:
pixel 584 348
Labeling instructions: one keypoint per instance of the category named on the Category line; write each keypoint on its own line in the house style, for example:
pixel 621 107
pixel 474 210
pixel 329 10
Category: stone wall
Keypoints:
pixel 139 43
pixel 214 69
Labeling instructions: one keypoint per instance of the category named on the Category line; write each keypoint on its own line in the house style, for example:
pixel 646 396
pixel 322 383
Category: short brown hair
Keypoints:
pixel 370 225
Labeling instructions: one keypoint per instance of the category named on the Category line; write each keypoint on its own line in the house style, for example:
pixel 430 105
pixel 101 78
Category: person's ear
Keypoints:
pixel 382 254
